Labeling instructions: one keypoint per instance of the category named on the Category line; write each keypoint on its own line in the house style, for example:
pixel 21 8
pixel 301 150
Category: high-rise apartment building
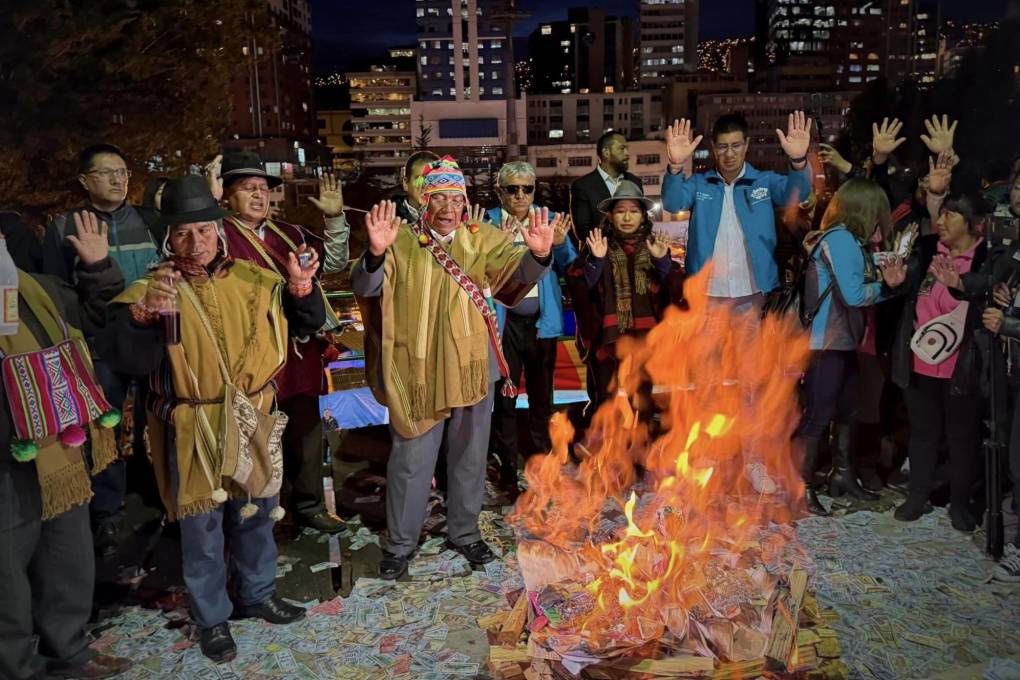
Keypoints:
pixel 381 116
pixel 462 50
pixel 669 40
pixel 589 52
pixel 831 44
pixel 924 57
pixel 274 110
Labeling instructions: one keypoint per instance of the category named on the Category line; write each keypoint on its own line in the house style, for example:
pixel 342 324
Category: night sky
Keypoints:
pixel 346 32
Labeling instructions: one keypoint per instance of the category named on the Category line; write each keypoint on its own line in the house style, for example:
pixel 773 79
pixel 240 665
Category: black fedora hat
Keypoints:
pixel 240 164
pixel 188 200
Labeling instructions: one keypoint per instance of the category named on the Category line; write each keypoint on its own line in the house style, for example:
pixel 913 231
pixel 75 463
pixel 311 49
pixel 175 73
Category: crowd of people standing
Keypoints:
pixel 199 319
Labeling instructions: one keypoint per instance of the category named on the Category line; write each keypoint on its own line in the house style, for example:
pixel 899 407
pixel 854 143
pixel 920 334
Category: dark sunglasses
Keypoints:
pixel 519 189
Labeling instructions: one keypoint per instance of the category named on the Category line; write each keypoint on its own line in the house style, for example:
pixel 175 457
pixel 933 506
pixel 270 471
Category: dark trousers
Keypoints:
pixel 464 437
pixel 110 485
pixel 46 580
pixel 252 557
pixel 302 454
pixel 1014 457
pixel 937 415
pixel 536 358
pixel 831 390
pixel 205 561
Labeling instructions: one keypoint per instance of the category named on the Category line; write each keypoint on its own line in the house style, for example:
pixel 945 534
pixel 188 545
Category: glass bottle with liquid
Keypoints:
pixel 8 291
pixel 170 318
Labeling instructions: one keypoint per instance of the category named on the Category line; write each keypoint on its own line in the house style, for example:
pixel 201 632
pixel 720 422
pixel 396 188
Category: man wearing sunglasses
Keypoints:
pixel 529 330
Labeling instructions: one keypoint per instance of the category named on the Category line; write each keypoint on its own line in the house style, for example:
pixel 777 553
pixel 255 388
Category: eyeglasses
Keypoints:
pixel 119 173
pixel 519 189
pixel 735 147
pixel 455 199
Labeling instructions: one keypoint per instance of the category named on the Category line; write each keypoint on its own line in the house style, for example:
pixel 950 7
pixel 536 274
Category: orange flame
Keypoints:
pixel 724 393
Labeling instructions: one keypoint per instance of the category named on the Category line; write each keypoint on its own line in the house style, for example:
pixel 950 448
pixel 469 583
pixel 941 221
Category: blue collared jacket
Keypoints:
pixel 550 295
pixel 756 195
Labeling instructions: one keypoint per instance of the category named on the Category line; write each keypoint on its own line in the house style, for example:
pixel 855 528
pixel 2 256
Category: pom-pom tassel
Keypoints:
pixel 72 436
pixel 110 419
pixel 24 450
pixel 509 390
pixel 277 513
pixel 220 495
pixel 248 510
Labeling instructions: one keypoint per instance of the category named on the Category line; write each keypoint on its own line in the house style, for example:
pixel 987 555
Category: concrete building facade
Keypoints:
pixel 462 51
pixel 669 40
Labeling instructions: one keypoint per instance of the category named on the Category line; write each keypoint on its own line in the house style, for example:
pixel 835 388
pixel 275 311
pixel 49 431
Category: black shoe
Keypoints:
pixel 912 509
pixel 392 567
pixel 217 643
pixel 272 610
pixel 324 522
pixel 106 539
pixel 962 519
pixel 477 553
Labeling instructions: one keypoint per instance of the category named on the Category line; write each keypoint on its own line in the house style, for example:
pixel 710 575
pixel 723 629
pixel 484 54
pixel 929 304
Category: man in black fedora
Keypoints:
pixel 252 235
pixel 211 372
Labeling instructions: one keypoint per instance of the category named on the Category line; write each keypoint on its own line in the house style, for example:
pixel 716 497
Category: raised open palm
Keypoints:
pixel 382 225
pixel 539 234
pixel 331 198
pixel 940 134
pixel 797 138
pixel 658 244
pixel 679 145
pixel 90 239
pixel 884 140
pixel 597 243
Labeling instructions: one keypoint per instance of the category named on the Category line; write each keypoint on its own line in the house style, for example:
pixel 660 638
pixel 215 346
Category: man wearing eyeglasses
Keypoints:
pixel 531 329
pixel 733 206
pixel 733 225
pixel 103 173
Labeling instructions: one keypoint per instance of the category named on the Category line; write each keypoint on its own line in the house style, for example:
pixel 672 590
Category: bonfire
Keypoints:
pixel 649 538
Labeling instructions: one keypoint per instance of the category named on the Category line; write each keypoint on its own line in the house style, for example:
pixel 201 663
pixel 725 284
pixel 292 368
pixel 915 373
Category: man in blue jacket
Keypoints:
pixel 733 206
pixel 733 222
pixel 531 330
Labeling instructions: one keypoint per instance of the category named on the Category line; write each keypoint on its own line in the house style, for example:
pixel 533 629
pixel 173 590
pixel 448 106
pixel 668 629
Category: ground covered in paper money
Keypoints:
pixel 914 601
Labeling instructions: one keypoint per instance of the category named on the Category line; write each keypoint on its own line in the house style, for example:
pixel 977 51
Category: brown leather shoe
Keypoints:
pixel 100 666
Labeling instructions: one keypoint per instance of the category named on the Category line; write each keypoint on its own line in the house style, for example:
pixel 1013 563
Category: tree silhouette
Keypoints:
pixel 150 76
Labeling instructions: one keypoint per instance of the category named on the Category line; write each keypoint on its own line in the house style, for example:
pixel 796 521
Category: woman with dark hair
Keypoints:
pixel 630 280
pixel 841 281
pixel 940 377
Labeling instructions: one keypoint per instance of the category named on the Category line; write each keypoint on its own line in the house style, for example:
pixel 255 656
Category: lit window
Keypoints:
pixel 547 30
pixel 555 134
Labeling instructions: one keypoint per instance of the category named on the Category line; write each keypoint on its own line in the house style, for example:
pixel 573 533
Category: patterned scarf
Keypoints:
pixel 621 248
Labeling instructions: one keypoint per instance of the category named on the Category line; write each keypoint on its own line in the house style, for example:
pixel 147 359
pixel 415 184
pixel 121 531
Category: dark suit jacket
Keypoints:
pixel 585 196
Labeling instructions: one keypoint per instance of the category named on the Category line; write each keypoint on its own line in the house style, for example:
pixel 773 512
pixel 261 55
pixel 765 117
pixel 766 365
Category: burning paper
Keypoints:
pixel 658 533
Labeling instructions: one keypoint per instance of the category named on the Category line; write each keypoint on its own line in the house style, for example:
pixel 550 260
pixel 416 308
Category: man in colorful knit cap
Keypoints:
pixel 432 350
pixel 51 402
pixel 254 236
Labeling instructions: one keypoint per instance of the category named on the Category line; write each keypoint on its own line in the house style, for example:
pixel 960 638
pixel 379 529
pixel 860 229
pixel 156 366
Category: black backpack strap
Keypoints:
pixel 808 317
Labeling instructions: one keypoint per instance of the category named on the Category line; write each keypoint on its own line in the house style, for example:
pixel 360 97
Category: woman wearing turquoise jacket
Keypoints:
pixel 841 281
pixel 531 330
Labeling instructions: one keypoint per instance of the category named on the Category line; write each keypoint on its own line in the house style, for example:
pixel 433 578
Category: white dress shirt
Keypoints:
pixel 731 267
pixel 611 182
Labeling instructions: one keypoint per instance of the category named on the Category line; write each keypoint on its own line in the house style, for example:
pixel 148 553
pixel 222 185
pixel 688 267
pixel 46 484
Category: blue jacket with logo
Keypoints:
pixel 755 195
pixel 550 295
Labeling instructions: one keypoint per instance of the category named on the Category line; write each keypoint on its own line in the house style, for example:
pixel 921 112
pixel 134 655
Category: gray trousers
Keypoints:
pixel 47 573
pixel 464 437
